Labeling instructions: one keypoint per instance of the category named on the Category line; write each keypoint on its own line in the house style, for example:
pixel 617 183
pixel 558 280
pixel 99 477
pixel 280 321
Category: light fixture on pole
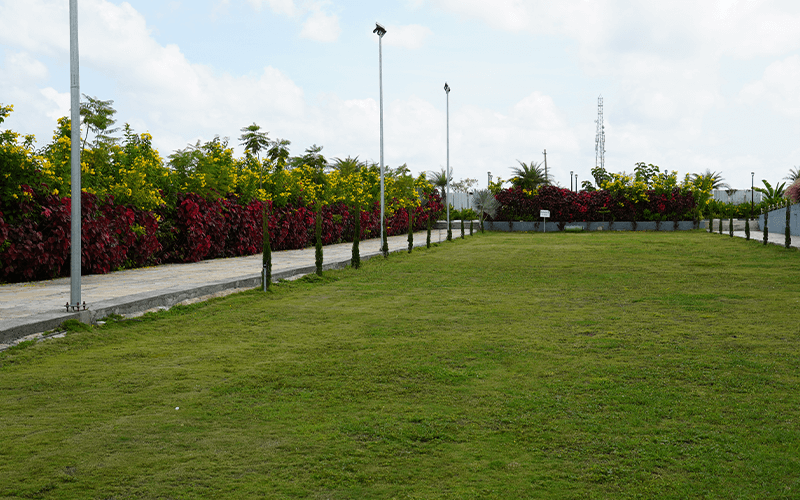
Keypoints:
pixel 380 30
pixel 75 162
pixel 447 177
pixel 576 183
pixel 752 190
pixel 570 180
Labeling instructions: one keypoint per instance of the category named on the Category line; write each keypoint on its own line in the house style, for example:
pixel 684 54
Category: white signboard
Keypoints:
pixel 544 214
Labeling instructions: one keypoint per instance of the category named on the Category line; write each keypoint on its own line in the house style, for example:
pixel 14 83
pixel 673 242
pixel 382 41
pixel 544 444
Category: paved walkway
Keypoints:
pixel 29 308
pixel 772 238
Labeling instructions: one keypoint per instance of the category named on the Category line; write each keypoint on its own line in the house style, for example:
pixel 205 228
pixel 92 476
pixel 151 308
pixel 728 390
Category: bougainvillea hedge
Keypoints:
pixel 594 206
pixel 35 233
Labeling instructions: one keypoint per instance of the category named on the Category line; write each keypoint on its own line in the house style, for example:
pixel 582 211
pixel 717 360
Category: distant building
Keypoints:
pixel 736 196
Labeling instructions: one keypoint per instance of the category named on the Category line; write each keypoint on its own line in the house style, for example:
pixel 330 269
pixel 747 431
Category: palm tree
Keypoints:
pixel 772 195
pixel 439 180
pixel 794 174
pixel 529 175
pixel 483 202
pixel 715 178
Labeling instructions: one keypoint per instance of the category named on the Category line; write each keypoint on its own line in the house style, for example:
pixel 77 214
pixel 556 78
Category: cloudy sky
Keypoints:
pixel 687 85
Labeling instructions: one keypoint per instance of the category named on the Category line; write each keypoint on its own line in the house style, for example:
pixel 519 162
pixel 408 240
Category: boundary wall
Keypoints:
pixel 776 223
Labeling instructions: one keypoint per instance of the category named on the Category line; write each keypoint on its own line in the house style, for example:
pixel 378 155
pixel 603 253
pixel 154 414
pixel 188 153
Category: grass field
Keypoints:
pixel 632 365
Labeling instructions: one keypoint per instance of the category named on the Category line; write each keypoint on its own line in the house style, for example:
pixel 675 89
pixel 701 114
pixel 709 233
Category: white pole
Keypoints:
pixel 447 174
pixel 75 157
pixel 380 30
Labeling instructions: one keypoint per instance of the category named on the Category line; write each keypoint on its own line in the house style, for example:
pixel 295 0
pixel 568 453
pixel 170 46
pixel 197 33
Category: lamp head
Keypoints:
pixel 446 87
pixel 380 30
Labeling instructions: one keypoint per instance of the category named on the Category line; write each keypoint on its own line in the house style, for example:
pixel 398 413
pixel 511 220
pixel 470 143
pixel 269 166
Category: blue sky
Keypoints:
pixel 687 85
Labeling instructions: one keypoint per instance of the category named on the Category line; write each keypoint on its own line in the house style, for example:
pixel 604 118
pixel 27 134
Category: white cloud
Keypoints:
pixel 321 27
pixel 278 6
pixel 25 68
pixel 779 87
pixel 158 87
pixel 411 36
pixel 61 101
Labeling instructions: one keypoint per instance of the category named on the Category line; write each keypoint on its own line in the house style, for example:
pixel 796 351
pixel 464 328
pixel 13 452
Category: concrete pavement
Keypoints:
pixel 30 308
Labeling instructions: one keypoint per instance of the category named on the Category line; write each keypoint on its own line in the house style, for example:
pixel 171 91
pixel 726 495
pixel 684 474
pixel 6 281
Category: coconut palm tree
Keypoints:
pixel 529 175
pixel 483 202
pixel 716 179
pixel 794 174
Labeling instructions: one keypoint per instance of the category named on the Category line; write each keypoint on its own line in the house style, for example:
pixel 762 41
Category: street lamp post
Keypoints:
pixel 576 183
pixel 752 190
pixel 380 30
pixel 75 161
pixel 447 178
pixel 570 180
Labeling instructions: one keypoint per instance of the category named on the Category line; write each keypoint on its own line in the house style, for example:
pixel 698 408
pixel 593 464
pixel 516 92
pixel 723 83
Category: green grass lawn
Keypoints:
pixel 592 365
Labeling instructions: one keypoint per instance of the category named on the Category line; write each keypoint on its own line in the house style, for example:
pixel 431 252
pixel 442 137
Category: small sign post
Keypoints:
pixel 544 214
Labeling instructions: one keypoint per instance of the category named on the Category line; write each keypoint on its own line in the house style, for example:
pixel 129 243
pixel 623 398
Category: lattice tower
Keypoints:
pixel 600 138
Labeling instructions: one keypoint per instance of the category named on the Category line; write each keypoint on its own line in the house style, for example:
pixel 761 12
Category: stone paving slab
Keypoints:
pixel 758 236
pixel 30 308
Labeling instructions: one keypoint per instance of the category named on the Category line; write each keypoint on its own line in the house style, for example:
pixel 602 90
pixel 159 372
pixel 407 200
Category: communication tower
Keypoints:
pixel 600 138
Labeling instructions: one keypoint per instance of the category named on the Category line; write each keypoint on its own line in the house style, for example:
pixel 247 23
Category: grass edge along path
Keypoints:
pixel 584 365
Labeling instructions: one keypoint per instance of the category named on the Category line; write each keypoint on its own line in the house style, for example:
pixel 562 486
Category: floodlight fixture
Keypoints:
pixel 380 30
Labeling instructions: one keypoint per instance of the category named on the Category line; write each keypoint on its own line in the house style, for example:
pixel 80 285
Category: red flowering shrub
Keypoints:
pixel 37 238
pixel 199 230
pixel 592 206
pixel 35 234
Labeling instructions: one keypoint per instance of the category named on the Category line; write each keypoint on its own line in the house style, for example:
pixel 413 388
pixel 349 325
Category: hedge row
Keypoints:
pixel 35 234
pixel 594 206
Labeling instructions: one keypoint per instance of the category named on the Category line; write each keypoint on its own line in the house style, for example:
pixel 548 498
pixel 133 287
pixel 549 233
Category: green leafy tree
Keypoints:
pixel 254 141
pixel 98 116
pixel 19 164
pixel 464 185
pixel 351 168
pixel 313 158
pixel 601 176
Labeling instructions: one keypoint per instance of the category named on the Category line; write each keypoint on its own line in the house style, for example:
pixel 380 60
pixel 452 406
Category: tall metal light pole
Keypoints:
pixel 570 180
pixel 752 190
pixel 380 30
pixel 75 163
pixel 576 183
pixel 447 176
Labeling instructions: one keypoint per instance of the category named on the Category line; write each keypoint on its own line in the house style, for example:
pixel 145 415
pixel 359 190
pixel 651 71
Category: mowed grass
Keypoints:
pixel 646 365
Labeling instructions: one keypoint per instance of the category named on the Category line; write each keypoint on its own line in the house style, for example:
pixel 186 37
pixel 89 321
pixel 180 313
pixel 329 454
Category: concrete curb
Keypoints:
pixel 14 329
